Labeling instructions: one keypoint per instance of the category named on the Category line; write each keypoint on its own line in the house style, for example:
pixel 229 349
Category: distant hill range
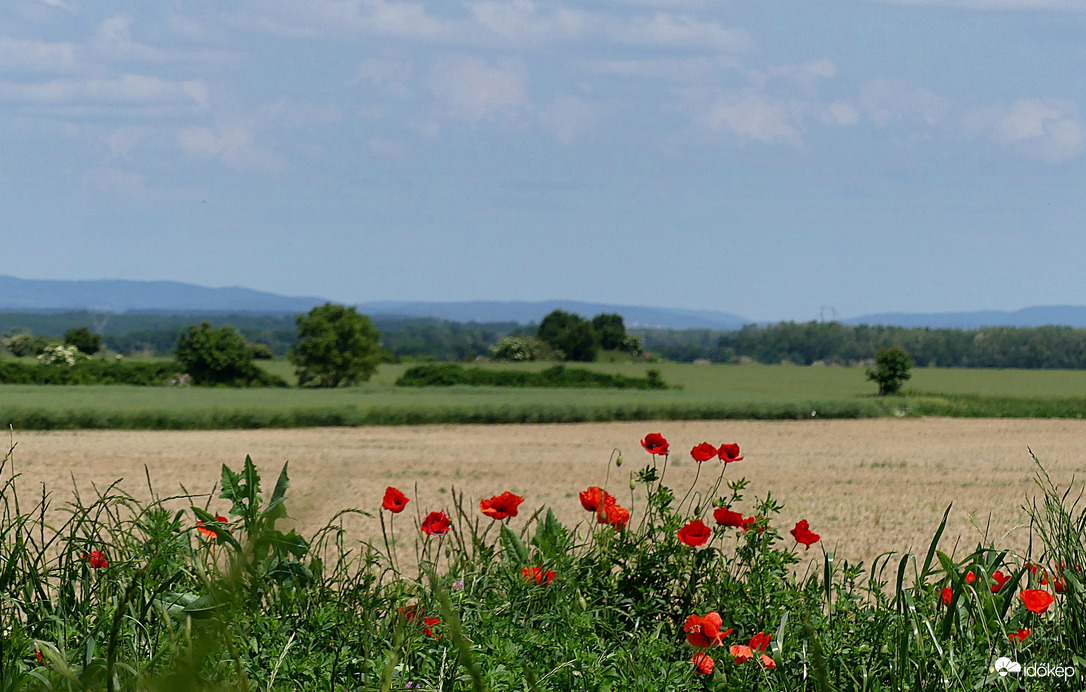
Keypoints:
pixel 164 297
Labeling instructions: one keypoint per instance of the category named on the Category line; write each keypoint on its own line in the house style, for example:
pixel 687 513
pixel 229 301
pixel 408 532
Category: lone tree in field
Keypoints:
pixel 571 334
pixel 84 339
pixel 216 356
pixel 891 369
pixel 336 345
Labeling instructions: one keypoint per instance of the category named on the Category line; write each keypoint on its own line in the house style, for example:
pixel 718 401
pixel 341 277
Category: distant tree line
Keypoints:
pixel 564 336
pixel 834 343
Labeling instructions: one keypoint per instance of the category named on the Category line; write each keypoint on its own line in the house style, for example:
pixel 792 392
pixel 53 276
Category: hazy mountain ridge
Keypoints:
pixel 165 297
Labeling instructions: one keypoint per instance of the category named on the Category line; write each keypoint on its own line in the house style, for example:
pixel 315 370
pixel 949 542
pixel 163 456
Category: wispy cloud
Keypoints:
pixel 36 56
pixel 567 117
pixel 470 90
pixel 994 5
pixel 680 31
pixel 1046 129
pixel 233 145
pixel 126 89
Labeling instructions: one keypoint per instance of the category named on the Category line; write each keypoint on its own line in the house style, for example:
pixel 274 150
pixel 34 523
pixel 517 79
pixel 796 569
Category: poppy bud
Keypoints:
pixel 448 551
pixel 633 483
pixel 581 602
pixel 618 462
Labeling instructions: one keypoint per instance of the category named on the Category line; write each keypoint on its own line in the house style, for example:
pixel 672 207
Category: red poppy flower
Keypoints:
pixel 760 641
pixel 970 577
pixel 1038 572
pixel 96 559
pixel 948 595
pixel 703 663
pixel 742 653
pixel 695 533
pixel 537 575
pixel 501 506
pixel 703 452
pixel 803 534
pixel 614 514
pixel 411 614
pixel 591 498
pixel 41 659
pixel 1059 585
pixel 768 663
pixel 729 453
pixel 654 443
pixel 726 517
pixel 394 501
pixel 210 533
pixel 435 523
pixel 704 632
pixel 1020 634
pixel 1000 579
pixel 1036 600
pixel 749 522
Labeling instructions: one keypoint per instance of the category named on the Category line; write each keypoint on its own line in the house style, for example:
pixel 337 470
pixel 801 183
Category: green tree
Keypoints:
pixel 216 356
pixel 571 334
pixel 891 369
pixel 84 339
pixel 336 345
pixel 610 331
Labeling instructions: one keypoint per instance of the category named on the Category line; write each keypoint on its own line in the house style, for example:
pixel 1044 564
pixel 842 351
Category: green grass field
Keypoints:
pixel 703 392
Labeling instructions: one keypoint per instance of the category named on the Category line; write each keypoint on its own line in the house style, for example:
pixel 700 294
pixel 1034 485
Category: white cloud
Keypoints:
pixel 519 21
pixel 36 56
pixel 126 89
pixel 471 90
pixel 753 117
pixel 888 101
pixel 843 113
pixel 679 31
pixel 123 140
pixel 1063 5
pixel 233 145
pixel 395 76
pixel 568 117
pixel 1046 129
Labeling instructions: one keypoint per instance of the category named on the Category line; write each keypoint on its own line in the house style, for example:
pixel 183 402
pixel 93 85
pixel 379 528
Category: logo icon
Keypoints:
pixel 1005 666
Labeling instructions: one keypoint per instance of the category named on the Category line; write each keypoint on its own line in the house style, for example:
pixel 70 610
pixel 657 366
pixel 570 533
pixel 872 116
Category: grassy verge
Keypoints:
pixel 708 392
pixel 656 589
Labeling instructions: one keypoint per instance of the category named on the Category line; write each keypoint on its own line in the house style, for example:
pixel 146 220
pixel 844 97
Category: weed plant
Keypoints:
pixel 657 590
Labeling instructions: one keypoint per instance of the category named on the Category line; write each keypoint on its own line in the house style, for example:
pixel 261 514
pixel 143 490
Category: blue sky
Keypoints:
pixel 768 159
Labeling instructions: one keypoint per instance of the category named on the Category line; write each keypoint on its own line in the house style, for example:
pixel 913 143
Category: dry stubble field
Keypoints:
pixel 867 486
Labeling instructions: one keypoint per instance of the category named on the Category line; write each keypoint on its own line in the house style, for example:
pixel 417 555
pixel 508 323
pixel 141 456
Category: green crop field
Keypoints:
pixel 701 392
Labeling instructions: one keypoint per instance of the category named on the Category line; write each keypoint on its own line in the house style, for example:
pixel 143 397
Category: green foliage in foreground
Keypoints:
pixel 117 594
pixel 448 374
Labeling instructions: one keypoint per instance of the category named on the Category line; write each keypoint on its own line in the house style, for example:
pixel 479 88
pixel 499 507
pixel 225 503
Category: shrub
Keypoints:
pixel 520 349
pixel 83 339
pixel 60 354
pixel 570 336
pixel 891 370
pixel 448 374
pixel 22 345
pixel 220 357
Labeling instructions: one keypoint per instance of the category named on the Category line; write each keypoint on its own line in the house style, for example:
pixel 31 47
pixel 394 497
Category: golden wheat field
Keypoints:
pixel 867 486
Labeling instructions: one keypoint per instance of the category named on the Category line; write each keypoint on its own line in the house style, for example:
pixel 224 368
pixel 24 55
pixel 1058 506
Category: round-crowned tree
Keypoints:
pixel 336 345
pixel 216 356
pixel 891 370
pixel 571 334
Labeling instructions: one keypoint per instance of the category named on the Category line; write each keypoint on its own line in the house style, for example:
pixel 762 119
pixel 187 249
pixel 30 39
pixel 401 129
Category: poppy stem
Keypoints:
pixel 691 489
